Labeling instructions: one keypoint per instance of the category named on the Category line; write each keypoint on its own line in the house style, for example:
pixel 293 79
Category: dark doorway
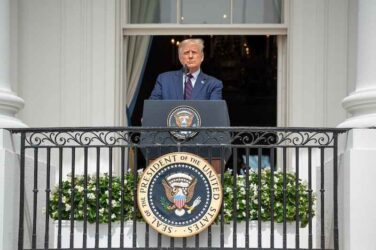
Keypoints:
pixel 247 65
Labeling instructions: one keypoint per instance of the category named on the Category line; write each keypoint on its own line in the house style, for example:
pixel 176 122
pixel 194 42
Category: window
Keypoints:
pixel 205 11
pixel 260 22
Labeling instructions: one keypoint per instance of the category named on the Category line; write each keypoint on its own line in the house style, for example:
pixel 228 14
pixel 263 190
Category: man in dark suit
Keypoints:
pixel 190 83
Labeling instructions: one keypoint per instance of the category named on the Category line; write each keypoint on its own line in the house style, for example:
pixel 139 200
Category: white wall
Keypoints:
pixel 66 62
pixel 318 60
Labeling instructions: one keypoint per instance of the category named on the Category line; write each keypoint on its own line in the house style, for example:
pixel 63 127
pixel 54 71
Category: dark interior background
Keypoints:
pixel 247 65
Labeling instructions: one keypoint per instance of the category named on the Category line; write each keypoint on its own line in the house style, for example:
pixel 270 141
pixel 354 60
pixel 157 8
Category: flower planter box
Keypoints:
pixel 103 234
pixel 253 235
pixel 203 240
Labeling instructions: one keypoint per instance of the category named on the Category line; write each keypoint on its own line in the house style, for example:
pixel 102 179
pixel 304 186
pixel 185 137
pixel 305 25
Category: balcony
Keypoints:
pixel 78 188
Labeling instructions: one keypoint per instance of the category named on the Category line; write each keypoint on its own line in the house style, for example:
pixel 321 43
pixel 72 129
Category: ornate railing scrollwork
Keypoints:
pixel 80 138
pixel 160 136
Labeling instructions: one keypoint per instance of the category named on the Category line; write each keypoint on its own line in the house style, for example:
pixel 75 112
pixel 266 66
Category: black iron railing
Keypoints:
pixel 272 178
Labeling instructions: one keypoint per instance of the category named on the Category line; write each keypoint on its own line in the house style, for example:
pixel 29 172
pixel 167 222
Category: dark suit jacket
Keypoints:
pixel 169 86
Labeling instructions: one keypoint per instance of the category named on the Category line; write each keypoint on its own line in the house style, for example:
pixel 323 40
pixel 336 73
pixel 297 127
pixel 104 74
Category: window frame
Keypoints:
pixel 126 18
pixel 280 30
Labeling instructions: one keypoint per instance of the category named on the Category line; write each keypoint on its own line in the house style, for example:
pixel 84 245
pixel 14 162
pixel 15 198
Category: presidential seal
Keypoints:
pixel 183 117
pixel 179 194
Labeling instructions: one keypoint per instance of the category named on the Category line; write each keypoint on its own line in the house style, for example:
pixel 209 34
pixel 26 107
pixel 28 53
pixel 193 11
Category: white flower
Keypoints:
pixel 241 182
pixel 80 188
pixel 113 216
pixel 91 196
pixel 140 171
pixel 67 207
pixel 65 199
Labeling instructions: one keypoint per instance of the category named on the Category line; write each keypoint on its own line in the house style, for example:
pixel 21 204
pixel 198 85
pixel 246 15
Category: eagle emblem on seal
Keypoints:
pixel 184 119
pixel 179 189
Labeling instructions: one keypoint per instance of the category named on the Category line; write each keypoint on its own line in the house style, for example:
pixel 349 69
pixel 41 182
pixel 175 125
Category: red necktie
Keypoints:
pixel 188 87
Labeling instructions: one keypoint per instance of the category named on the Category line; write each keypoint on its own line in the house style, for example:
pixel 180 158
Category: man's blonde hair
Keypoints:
pixel 197 41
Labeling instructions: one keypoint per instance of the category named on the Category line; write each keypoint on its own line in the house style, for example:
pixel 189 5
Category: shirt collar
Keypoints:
pixel 195 74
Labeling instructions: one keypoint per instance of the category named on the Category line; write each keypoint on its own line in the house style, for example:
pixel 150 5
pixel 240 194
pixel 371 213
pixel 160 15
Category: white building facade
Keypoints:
pixel 62 63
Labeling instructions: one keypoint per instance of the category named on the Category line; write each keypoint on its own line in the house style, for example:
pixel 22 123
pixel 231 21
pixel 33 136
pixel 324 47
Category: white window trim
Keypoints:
pixel 124 4
pixel 279 30
pixel 203 29
pixel 208 29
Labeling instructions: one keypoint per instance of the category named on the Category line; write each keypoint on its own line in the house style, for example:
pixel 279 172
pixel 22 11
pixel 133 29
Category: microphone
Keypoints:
pixel 185 69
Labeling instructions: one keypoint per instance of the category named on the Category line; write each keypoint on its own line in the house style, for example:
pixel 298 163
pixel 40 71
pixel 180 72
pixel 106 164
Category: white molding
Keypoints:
pixel 119 65
pixel 208 29
pixel 88 61
pixel 62 34
pixel 289 62
pixel 352 42
pixel 325 51
pixel 82 62
pixel 282 90
pixel 124 75
pixel 127 12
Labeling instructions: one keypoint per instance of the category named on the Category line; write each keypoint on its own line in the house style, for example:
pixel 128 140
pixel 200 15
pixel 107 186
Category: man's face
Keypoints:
pixel 191 56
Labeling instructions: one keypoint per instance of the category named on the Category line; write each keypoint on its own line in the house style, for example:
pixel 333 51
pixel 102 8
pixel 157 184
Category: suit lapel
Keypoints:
pixel 178 83
pixel 200 82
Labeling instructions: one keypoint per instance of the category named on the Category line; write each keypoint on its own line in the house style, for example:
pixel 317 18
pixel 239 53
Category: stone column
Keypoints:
pixel 361 104
pixel 10 103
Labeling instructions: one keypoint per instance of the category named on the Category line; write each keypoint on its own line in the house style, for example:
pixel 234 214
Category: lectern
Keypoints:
pixel 187 114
